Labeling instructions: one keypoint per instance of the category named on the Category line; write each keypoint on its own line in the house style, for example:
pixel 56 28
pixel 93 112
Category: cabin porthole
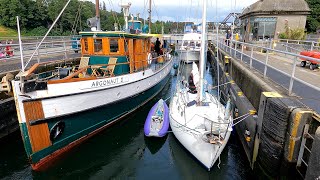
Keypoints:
pixel 57 130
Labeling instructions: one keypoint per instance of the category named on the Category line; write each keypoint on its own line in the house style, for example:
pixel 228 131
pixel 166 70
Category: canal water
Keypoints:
pixel 123 152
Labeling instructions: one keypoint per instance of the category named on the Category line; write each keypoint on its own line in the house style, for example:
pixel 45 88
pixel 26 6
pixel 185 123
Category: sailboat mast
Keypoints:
pixel 149 16
pixel 203 49
pixel 98 15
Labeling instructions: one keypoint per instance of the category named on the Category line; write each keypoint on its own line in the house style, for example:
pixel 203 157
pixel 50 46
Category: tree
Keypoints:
pixel 313 20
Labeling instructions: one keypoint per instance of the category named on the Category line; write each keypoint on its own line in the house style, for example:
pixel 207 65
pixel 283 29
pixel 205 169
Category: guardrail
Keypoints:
pixel 245 52
pixel 9 52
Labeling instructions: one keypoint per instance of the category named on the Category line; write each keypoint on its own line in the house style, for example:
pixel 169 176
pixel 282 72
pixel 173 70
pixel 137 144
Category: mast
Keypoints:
pixel 203 49
pixel 149 16
pixel 98 15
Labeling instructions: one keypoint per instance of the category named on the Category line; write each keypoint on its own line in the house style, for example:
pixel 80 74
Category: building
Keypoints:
pixel 267 18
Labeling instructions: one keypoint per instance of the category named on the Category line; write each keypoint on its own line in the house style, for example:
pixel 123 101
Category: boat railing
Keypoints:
pixel 160 60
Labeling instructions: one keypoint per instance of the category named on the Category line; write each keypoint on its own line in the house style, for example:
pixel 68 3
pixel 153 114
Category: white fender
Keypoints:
pixel 149 58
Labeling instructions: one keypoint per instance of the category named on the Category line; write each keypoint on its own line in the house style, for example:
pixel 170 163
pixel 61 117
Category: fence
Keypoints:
pixel 295 83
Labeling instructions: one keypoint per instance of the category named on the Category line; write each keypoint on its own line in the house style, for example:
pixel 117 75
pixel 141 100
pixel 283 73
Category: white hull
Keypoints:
pixel 189 56
pixel 190 127
pixel 67 98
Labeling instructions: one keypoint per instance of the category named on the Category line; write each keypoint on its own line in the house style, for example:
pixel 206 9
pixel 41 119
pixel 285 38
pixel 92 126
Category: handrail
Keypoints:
pixel 271 49
pixel 234 51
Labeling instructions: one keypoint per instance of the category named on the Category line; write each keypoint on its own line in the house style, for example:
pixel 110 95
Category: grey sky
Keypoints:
pixel 181 10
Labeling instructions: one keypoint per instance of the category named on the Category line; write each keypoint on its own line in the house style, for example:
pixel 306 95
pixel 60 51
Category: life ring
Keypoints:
pixel 57 130
pixel 149 58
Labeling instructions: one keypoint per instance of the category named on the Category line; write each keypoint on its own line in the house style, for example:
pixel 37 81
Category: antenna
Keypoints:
pixel 149 10
pixel 126 8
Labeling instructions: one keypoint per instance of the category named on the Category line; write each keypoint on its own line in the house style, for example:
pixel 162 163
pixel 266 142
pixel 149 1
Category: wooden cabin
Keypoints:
pixel 131 50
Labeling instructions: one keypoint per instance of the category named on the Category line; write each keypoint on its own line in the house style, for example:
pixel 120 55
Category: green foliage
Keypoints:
pixel 36 16
pixel 313 20
pixel 295 34
pixel 283 36
pixel 5 32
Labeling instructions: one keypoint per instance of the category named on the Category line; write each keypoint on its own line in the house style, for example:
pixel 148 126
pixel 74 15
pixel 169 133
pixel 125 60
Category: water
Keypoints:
pixel 123 152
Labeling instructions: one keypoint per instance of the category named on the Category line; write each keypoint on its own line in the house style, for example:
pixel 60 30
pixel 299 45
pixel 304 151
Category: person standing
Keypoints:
pixel 228 38
pixel 157 46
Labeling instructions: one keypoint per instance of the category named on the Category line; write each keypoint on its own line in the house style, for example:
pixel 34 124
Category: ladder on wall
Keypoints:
pixel 304 152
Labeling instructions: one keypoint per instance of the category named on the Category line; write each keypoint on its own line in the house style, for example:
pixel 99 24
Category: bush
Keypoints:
pixel 294 34
pixel 283 36
pixel 39 31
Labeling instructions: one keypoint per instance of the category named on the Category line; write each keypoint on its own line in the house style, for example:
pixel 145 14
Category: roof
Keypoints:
pixel 117 34
pixel 277 7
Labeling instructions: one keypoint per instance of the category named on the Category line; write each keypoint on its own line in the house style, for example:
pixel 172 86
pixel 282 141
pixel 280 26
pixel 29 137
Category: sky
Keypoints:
pixel 181 10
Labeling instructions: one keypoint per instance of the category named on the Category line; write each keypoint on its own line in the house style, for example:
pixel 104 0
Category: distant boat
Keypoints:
pixel 189 51
pixel 157 122
pixel 60 108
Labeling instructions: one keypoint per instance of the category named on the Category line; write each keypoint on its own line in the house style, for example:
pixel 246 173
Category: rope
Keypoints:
pixel 244 117
pixel 219 162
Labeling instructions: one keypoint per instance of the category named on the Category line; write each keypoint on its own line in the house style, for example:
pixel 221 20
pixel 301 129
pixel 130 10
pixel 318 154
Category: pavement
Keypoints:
pixel 284 65
pixel 45 55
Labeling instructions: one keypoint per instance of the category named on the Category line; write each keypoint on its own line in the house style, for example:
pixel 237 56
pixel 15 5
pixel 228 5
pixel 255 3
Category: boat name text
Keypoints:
pixel 107 82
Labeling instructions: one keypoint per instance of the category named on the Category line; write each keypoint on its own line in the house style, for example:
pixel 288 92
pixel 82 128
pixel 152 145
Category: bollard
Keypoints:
pixel 226 63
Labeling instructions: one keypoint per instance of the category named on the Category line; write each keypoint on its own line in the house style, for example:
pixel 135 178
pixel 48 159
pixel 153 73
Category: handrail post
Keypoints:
pixel 242 52
pixel 266 63
pixel 292 75
pixel 235 50
pixel 65 50
pixel 38 54
pixel 251 56
pixel 287 47
pixel 312 46
pixel 230 46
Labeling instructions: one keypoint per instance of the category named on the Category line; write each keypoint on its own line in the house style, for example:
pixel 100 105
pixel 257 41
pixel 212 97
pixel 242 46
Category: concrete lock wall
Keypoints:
pixel 277 128
pixel 246 129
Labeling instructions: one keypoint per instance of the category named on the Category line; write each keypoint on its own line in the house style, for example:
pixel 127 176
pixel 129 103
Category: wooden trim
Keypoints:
pixel 31 70
pixel 39 135
pixel 71 80
pixel 90 46
pixel 131 55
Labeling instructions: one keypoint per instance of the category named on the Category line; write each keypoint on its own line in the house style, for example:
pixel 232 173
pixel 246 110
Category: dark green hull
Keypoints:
pixel 83 125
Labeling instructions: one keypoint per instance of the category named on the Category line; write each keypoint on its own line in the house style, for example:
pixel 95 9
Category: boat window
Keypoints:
pixel 97 45
pixel 85 44
pixel 192 44
pixel 114 47
pixel 185 43
pixel 198 44
pixel 126 44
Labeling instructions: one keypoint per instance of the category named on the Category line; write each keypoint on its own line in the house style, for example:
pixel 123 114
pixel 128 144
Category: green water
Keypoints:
pixel 123 152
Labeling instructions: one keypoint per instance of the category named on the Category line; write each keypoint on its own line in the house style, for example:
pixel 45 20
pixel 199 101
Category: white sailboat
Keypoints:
pixel 198 120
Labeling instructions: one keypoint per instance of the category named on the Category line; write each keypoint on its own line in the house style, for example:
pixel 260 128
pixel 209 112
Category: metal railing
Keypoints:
pixel 11 52
pixel 247 53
